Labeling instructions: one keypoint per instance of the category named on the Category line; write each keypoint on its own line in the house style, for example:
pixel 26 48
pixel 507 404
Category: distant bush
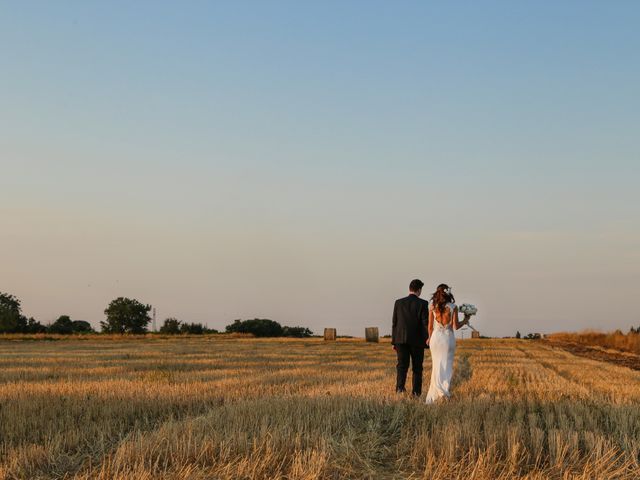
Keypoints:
pixel 260 327
pixel 297 332
pixel 173 326
pixel 82 326
pixel 30 325
pixel 263 327
pixel 65 326
pixel 194 329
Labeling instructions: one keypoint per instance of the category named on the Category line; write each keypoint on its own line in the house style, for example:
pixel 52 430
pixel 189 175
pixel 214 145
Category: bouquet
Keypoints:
pixel 468 309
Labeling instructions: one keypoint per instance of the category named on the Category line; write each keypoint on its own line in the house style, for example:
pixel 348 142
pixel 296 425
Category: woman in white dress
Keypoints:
pixel 443 319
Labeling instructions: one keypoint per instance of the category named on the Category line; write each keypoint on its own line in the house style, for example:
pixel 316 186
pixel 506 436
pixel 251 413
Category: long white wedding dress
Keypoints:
pixel 443 346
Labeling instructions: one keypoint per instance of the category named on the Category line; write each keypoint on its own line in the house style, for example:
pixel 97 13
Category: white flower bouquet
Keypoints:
pixel 468 309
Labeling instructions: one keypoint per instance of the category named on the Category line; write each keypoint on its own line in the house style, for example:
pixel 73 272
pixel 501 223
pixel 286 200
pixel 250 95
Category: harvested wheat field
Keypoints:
pixel 216 408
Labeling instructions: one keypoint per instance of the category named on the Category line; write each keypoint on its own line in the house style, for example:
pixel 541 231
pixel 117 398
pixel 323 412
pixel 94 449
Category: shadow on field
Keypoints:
pixel 625 359
pixel 462 372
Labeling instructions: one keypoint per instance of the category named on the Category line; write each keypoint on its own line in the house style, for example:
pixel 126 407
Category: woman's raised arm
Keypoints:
pixel 459 324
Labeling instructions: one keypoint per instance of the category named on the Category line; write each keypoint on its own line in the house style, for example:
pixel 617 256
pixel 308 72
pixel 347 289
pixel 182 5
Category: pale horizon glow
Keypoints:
pixel 303 162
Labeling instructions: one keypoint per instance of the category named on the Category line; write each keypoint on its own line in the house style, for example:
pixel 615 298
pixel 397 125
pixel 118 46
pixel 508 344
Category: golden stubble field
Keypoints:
pixel 215 408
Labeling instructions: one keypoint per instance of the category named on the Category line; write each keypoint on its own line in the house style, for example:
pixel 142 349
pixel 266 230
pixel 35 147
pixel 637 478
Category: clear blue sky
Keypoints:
pixel 303 162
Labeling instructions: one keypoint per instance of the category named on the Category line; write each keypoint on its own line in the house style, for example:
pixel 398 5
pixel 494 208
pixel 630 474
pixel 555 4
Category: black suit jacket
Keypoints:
pixel 410 317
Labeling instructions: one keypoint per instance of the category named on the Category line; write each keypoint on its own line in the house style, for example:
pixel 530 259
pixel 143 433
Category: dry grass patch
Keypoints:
pixel 626 342
pixel 204 408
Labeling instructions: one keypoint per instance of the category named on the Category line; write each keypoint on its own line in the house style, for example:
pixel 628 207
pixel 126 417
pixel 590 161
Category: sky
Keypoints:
pixel 303 161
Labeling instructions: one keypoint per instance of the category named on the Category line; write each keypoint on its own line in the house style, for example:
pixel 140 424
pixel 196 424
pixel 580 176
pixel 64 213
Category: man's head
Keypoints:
pixel 415 287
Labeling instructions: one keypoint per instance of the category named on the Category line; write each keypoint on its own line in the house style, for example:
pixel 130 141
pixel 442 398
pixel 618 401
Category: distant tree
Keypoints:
pixel 126 315
pixel 518 334
pixel 31 325
pixel 192 328
pixel 298 332
pixel 236 327
pixel 11 319
pixel 260 327
pixel 634 330
pixel 82 326
pixel 63 325
pixel 171 326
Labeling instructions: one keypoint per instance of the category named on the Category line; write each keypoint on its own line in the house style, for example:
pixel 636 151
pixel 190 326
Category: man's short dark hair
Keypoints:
pixel 415 285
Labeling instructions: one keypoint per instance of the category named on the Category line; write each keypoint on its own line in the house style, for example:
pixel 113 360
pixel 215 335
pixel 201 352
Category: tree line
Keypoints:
pixel 129 316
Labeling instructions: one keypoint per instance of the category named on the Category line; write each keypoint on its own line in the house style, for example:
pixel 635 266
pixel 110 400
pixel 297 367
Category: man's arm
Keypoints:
pixel 426 321
pixel 394 323
pixel 430 328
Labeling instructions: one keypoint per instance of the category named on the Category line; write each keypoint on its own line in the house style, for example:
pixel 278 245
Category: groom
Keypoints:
pixel 409 336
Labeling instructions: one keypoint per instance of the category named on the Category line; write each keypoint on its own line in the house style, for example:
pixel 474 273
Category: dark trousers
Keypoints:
pixel 416 354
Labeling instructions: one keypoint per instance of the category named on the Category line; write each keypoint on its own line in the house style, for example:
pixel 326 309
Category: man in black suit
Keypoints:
pixel 409 336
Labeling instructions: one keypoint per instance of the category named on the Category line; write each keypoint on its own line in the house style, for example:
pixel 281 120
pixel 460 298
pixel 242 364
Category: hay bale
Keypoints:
pixel 330 334
pixel 371 334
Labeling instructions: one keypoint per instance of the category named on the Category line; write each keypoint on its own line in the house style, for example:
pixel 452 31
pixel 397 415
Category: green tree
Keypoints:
pixel 171 326
pixel 126 315
pixel 30 325
pixel 193 328
pixel 260 327
pixel 82 326
pixel 11 319
pixel 518 335
pixel 298 332
pixel 63 325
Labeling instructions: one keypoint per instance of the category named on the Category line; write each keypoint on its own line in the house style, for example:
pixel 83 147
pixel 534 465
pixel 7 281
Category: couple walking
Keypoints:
pixel 418 324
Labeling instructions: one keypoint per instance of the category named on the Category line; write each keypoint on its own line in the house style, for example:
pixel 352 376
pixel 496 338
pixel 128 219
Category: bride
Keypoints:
pixel 443 319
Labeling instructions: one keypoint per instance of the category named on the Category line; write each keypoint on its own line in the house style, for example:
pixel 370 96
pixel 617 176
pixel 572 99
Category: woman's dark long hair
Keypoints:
pixel 441 297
